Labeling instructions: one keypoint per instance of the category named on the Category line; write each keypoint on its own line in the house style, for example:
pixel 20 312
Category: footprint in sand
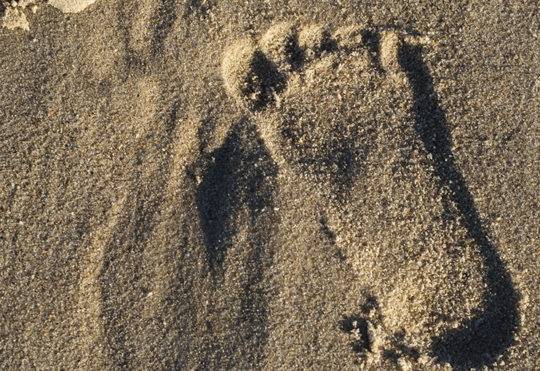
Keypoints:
pixel 338 111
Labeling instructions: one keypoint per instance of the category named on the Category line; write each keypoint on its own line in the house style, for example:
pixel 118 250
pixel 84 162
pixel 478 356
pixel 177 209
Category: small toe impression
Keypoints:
pixel 350 37
pixel 238 73
pixel 314 40
pixel 248 75
pixel 280 45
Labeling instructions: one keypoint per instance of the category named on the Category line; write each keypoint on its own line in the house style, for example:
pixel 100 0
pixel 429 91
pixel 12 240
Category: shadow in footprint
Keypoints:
pixel 235 204
pixel 357 327
pixel 481 340
pixel 239 177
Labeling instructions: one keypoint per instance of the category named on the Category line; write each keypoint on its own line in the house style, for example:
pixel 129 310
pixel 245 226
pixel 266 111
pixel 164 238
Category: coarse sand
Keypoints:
pixel 269 184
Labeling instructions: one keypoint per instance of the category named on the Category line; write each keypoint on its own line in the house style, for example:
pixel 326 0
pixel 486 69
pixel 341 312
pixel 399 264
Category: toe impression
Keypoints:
pixel 248 75
pixel 237 70
pixel 280 45
pixel 313 40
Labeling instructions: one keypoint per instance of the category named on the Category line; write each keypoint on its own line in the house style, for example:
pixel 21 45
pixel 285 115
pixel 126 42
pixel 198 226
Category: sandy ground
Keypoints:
pixel 269 184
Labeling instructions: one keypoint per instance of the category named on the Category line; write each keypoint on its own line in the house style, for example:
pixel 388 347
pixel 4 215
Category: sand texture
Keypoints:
pixel 279 184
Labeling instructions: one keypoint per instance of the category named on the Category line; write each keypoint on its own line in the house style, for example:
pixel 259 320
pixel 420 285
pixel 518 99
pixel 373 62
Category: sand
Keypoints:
pixel 269 184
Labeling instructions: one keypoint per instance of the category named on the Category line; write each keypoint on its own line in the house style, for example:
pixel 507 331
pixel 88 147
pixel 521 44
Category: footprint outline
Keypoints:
pixel 255 81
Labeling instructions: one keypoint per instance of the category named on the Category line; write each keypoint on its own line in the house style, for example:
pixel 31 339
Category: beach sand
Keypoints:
pixel 269 184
